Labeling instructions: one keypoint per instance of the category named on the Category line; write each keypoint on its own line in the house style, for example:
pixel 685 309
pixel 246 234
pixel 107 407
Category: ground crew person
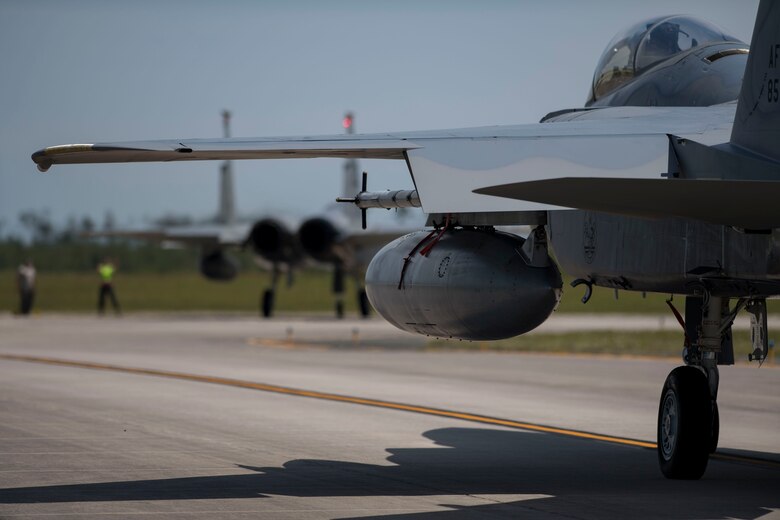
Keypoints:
pixel 106 271
pixel 25 282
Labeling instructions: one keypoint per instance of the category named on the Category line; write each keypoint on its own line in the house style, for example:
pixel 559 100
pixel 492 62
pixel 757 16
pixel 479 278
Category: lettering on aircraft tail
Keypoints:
pixel 772 86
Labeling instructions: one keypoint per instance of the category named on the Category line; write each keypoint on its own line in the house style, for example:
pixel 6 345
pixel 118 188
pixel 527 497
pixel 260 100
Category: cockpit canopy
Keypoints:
pixel 649 42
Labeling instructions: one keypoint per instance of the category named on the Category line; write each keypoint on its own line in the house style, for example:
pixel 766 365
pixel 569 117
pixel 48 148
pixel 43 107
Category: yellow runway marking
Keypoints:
pixel 367 402
pixel 283 344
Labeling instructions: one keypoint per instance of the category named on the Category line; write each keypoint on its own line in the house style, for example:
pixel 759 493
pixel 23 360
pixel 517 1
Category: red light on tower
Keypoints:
pixel 347 122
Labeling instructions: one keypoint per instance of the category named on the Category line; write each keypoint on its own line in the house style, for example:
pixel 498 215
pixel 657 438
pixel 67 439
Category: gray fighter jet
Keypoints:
pixel 667 181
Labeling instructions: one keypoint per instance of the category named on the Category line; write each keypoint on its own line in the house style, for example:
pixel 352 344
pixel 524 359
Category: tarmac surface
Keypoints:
pixel 199 416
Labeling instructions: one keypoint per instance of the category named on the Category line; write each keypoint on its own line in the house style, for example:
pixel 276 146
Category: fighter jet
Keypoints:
pixel 332 237
pixel 666 181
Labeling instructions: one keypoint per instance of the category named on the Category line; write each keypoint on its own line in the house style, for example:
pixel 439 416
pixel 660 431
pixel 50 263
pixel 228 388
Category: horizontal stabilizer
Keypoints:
pixel 751 205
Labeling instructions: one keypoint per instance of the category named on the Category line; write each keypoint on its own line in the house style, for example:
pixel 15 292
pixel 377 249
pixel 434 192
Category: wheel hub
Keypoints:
pixel 669 425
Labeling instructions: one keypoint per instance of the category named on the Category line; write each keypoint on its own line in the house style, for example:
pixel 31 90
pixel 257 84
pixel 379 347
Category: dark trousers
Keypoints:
pixel 26 298
pixel 106 290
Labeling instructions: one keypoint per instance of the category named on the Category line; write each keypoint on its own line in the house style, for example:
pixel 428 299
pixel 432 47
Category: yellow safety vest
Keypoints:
pixel 106 272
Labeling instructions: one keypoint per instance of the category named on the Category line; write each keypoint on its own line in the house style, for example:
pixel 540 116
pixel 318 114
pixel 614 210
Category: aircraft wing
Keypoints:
pixel 207 236
pixel 376 147
pixel 448 165
pixel 152 235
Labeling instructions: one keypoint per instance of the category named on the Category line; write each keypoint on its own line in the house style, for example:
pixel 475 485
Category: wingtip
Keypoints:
pixel 46 157
pixel 41 161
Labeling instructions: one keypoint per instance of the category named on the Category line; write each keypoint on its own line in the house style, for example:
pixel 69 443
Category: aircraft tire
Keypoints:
pixel 267 303
pixel 685 424
pixel 715 428
pixel 363 304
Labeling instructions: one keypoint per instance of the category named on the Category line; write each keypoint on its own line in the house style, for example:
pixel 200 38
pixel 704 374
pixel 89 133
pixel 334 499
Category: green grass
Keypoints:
pixel 642 343
pixel 188 291
pixel 179 291
pixel 603 301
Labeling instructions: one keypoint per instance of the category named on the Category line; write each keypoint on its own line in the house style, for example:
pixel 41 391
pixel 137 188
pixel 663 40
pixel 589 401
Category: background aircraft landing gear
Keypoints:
pixel 269 295
pixel 684 424
pixel 364 307
pixel 267 303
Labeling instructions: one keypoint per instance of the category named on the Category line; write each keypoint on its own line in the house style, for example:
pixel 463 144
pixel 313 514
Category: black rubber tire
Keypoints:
pixel 363 304
pixel 267 304
pixel 340 310
pixel 684 424
pixel 715 431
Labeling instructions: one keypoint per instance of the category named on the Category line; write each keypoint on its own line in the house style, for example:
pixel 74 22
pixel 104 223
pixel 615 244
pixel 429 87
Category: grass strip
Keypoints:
pixel 660 343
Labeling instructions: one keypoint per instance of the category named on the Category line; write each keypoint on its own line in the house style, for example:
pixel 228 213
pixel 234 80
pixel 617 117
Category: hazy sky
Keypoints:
pixel 102 70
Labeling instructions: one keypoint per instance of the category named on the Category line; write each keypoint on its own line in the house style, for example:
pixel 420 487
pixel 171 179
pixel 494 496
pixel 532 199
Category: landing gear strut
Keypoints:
pixel 338 289
pixel 339 273
pixel 267 303
pixel 269 295
pixel 688 417
pixel 363 305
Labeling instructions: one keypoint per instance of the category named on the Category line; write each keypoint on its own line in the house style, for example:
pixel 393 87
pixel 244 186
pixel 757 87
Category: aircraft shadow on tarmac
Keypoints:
pixel 584 478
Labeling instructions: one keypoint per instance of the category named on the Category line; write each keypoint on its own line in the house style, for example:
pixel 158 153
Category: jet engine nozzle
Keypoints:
pixel 271 240
pixel 320 239
pixel 473 284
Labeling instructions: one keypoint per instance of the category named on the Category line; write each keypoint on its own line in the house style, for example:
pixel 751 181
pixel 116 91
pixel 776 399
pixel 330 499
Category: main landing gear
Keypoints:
pixel 364 307
pixel 267 299
pixel 688 417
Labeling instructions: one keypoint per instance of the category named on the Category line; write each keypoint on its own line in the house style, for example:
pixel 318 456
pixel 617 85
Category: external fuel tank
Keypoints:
pixel 473 284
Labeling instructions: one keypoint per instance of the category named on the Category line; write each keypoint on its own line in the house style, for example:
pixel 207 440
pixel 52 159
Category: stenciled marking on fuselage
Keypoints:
pixel 368 402
pixel 589 237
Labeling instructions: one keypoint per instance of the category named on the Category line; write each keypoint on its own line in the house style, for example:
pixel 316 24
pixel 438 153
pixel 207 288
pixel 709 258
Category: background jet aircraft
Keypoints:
pixel 652 187
pixel 332 237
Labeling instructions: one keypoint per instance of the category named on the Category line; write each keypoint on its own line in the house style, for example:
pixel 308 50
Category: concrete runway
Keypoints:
pixel 106 442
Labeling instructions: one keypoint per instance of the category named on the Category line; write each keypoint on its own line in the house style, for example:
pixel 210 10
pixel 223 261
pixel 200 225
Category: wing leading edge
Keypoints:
pixel 193 235
pixel 217 149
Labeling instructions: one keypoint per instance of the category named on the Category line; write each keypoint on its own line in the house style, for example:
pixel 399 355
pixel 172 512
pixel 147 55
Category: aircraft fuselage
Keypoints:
pixel 668 255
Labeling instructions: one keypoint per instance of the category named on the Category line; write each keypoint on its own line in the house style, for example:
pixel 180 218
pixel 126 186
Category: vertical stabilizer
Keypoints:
pixel 227 209
pixel 757 123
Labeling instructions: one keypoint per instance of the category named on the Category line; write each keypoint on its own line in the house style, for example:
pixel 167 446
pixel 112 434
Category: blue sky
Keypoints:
pixel 90 71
